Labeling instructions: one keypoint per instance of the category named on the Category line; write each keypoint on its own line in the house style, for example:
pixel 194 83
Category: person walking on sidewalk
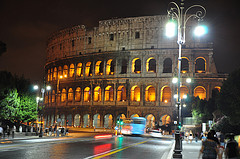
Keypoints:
pixel 232 151
pixel 1 132
pixel 209 149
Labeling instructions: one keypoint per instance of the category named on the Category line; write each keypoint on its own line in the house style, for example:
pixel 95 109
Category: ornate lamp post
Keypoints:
pixel 178 13
pixel 42 100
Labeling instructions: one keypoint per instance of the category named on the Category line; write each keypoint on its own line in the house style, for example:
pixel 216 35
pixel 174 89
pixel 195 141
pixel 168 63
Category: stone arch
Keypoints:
pixel 79 71
pixel 55 72
pixel 69 119
pixel 63 95
pixel 96 120
pixel 78 94
pixel 185 65
pixel 167 65
pixel 150 121
pixel 183 91
pixel 97 96
pixel 77 121
pixel 65 71
pixel 151 65
pixel 200 65
pixel 121 93
pixel 71 70
pixel 88 69
pixel 109 93
pixel 135 94
pixel 86 121
pixel 200 92
pixel 70 94
pixel 165 120
pixel 136 65
pixel 150 94
pixel 121 116
pixel 134 115
pixel 99 68
pixel 110 68
pixel 87 94
pixel 166 94
pixel 108 121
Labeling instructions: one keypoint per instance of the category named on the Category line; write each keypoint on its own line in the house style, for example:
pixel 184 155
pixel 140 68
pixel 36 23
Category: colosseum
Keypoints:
pixel 124 68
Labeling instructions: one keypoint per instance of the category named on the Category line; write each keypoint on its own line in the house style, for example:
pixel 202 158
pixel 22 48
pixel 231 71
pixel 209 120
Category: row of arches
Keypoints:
pixel 108 68
pixel 106 121
pixel 107 94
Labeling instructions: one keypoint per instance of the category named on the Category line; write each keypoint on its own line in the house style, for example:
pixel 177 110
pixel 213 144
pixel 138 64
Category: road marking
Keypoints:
pixel 113 151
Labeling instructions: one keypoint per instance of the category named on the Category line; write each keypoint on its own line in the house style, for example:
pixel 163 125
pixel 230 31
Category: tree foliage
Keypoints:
pixel 229 98
pixel 17 103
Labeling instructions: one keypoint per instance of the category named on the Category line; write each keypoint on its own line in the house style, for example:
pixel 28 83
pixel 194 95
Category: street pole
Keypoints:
pixel 178 13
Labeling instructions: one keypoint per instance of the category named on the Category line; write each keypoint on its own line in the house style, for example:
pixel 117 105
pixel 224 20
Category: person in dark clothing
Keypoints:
pixel 232 151
pixel 209 149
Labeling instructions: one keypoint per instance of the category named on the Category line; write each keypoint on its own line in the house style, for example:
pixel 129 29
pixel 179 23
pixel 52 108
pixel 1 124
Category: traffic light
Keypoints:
pixel 179 125
pixel 120 121
pixel 67 122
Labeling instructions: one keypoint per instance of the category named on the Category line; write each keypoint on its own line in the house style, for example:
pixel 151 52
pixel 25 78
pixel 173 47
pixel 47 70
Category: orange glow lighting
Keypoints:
pixel 102 136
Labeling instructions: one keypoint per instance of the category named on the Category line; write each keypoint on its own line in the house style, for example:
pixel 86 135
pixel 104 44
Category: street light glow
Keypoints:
pixel 171 29
pixel 188 80
pixel 35 87
pixel 48 88
pixel 200 30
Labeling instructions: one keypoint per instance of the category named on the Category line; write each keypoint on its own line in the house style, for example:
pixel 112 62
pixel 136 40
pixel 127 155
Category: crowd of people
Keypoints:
pixel 214 146
pixel 56 131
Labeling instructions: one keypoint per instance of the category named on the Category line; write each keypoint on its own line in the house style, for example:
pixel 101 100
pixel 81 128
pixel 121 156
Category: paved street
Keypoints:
pixel 84 145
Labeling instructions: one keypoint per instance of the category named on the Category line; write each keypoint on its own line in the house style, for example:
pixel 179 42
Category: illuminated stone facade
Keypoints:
pixel 124 67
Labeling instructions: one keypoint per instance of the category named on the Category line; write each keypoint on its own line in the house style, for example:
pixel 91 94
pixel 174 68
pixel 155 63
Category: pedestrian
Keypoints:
pixel 66 131
pixel 190 136
pixel 209 149
pixel 1 132
pixel 57 133
pixel 196 137
pixel 8 132
pixel 221 138
pixel 186 136
pixel 50 131
pixel 232 151
pixel 54 130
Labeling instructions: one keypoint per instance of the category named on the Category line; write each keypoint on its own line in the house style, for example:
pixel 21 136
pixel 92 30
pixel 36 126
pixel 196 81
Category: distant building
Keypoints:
pixel 123 68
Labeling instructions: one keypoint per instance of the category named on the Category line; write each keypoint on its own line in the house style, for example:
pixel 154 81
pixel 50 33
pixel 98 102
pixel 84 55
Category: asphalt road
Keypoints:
pixel 85 146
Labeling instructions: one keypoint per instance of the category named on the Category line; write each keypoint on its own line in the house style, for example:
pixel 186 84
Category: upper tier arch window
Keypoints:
pixel 200 65
pixel 79 71
pixel 136 65
pixel 99 68
pixel 109 93
pixel 97 97
pixel 87 94
pixel 150 94
pixel 71 72
pixel 78 94
pixel 166 94
pixel 70 95
pixel 121 94
pixel 88 69
pixel 59 72
pixel 167 65
pixel 135 94
pixel 184 65
pixel 151 65
pixel 55 73
pixel 110 67
pixel 65 71
pixel 64 95
pixel 200 92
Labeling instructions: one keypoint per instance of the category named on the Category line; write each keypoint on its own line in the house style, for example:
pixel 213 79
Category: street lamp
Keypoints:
pixel 181 16
pixel 38 99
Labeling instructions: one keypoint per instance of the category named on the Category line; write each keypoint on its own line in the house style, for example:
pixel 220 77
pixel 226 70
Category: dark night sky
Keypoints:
pixel 26 24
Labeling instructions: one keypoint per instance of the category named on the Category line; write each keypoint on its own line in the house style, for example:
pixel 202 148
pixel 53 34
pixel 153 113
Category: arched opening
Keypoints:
pixel 165 120
pixel 183 91
pixel 200 65
pixel 109 93
pixel 134 115
pixel 150 94
pixel 110 68
pixel 71 71
pixel 121 94
pixel 124 66
pixel 151 65
pixel 166 94
pixel 136 65
pixel 216 90
pixel 78 94
pixel 77 120
pixel 65 71
pixel 97 96
pixel 79 70
pixel 96 120
pixel 87 94
pixel 59 72
pixel 135 94
pixel 64 95
pixel 167 65
pixel 99 68
pixel 86 121
pixel 88 69
pixel 108 121
pixel 184 65
pixel 49 75
pixel 63 122
pixel 53 96
pixel 70 95
pixel 200 92
pixel 150 121
pixel 55 73
pixel 69 119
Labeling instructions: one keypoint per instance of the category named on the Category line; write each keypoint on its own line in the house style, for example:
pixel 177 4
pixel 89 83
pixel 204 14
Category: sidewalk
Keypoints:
pixel 190 150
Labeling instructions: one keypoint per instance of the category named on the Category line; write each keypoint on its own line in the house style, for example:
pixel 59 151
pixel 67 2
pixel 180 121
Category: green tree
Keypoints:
pixel 229 98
